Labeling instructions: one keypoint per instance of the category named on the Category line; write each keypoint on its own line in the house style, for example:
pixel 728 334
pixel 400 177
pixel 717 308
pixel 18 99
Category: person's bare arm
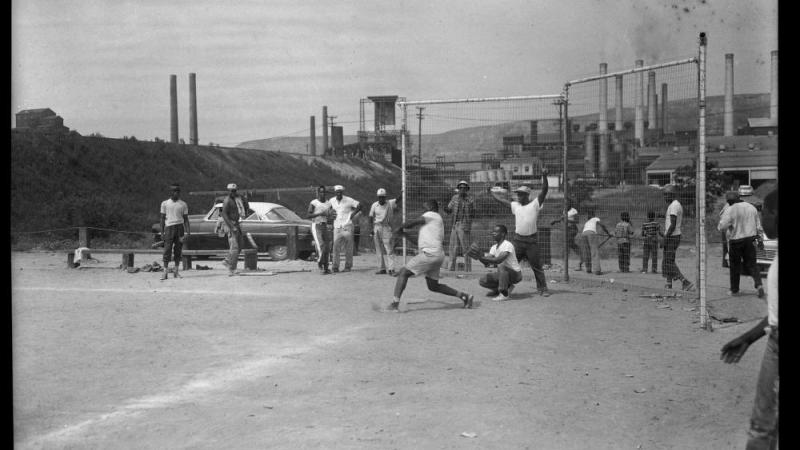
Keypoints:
pixel 545 186
pixel 733 351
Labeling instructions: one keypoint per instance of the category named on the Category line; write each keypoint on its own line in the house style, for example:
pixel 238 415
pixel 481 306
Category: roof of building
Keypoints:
pixel 742 142
pixel 755 122
pixel 724 160
pixel 36 111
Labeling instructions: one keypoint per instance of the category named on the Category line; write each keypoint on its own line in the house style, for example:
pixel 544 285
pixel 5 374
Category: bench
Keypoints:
pixel 128 253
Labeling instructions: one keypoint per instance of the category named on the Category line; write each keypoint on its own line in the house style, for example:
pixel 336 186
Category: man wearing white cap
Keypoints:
pixel 525 241
pixel 381 214
pixel 233 211
pixel 343 227
pixel 462 208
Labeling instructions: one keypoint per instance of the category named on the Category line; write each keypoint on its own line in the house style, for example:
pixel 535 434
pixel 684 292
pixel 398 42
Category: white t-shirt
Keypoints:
pixel 344 209
pixel 382 214
pixel 591 224
pixel 318 208
pixel 674 209
pixel 526 216
pixel 772 293
pixel 511 260
pixel 431 235
pixel 174 210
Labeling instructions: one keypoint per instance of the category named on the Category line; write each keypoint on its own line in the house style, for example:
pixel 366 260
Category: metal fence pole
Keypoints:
pixel 701 183
pixel 565 183
pixel 405 174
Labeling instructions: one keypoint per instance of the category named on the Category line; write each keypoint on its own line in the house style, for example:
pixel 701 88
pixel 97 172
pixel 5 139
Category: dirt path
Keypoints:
pixel 107 359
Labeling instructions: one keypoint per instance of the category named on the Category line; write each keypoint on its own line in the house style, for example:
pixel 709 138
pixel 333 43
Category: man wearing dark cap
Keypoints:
pixel 526 213
pixel 745 232
pixel 174 229
pixel 672 238
pixel 462 208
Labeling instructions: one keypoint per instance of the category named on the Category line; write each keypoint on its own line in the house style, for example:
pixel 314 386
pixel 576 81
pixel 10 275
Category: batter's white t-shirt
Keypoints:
pixel 511 260
pixel 431 235
pixel 675 209
pixel 174 210
pixel 591 224
pixel 526 216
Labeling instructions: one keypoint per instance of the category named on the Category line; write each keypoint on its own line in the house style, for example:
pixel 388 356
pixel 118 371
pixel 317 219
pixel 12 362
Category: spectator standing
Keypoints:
pixel 343 227
pixel 174 229
pixel 509 272
pixel 234 209
pixel 318 211
pixel 591 242
pixel 651 232
pixel 526 214
pixel 745 233
pixel 724 237
pixel 428 260
pixel 572 238
pixel 462 208
pixel 381 215
pixel 623 233
pixel 672 239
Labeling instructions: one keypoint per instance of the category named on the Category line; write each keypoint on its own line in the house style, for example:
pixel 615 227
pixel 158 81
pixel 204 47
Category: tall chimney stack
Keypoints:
pixel 602 122
pixel 618 118
pixel 324 130
pixel 173 109
pixel 312 146
pixel 727 111
pixel 638 129
pixel 663 121
pixel 773 92
pixel 192 110
pixel 651 101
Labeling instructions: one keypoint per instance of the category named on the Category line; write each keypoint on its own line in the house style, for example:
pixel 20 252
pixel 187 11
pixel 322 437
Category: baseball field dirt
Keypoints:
pixel 285 357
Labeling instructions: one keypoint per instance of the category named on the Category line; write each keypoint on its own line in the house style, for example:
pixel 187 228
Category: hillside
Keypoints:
pixel 69 180
pixel 469 143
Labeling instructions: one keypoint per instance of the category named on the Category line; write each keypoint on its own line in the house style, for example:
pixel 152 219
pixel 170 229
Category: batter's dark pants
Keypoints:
pixel 527 247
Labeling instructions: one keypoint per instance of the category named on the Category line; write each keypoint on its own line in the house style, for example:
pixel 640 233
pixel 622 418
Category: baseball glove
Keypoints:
pixel 474 251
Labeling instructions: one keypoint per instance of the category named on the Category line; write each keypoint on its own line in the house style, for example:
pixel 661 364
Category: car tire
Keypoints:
pixel 306 256
pixel 278 252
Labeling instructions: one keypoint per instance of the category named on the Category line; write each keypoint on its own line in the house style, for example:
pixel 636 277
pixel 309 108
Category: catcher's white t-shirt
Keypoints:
pixel 511 260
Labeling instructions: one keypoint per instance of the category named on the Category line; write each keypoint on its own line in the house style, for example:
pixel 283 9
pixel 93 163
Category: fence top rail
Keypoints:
pixel 485 99
pixel 635 70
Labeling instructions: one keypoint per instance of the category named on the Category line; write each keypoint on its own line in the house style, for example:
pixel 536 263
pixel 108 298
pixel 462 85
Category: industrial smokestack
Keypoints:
pixel 651 101
pixel 638 131
pixel 663 120
pixel 324 129
pixel 602 122
pixel 312 146
pixel 534 131
pixel 192 110
pixel 173 109
pixel 618 117
pixel 773 92
pixel 727 111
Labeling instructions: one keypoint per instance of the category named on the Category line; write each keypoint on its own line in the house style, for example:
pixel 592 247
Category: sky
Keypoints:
pixel 264 67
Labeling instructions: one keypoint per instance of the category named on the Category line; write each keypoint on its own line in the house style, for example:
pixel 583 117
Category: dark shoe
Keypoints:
pixel 380 272
pixel 598 273
pixel 544 293
pixel 654 271
pixel 761 292
pixel 725 264
pixel 392 307
pixel 326 272
pixel 492 293
pixel 687 285
pixel 668 286
pixel 467 299
pixel 346 270
pixel 164 275
pixel 392 273
pixel 733 293
pixel 335 270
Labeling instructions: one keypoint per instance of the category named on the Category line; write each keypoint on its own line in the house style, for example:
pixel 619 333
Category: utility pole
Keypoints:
pixel 419 143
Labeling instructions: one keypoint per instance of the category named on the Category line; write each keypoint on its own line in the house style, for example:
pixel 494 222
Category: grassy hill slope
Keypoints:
pixel 69 181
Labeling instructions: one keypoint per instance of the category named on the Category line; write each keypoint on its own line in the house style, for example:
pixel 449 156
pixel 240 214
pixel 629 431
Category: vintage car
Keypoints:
pixel 274 229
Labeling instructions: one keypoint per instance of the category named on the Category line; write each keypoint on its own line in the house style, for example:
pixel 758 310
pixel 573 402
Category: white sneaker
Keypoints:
pixel 500 298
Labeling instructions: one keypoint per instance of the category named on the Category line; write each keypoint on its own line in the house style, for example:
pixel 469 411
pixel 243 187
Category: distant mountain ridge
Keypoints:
pixel 469 143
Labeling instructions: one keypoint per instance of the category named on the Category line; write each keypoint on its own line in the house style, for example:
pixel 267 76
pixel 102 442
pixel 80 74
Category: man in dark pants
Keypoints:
pixel 234 209
pixel 462 208
pixel 672 239
pixel 525 241
pixel 174 228
pixel 745 233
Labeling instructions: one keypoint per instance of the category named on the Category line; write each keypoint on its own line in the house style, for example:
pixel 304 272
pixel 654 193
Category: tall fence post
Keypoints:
pixel 701 183
pixel 405 174
pixel 565 183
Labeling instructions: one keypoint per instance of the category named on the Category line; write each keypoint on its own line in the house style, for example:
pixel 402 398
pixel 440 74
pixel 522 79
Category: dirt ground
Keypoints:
pixel 287 358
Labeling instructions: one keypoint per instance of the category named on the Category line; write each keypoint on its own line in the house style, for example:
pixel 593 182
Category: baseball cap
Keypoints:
pixel 381 192
pixel 463 183
pixel 232 186
pixel 338 187
pixel 524 189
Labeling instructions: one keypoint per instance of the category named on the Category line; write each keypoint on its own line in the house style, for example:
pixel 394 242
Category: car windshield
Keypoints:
pixel 282 213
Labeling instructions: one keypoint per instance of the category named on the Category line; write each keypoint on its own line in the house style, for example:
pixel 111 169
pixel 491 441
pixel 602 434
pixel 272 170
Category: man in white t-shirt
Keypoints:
pixel 572 238
pixel 343 227
pixel 428 260
pixel 174 229
pixel 591 241
pixel 381 215
pixel 509 272
pixel 526 213
pixel 319 211
pixel 672 238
